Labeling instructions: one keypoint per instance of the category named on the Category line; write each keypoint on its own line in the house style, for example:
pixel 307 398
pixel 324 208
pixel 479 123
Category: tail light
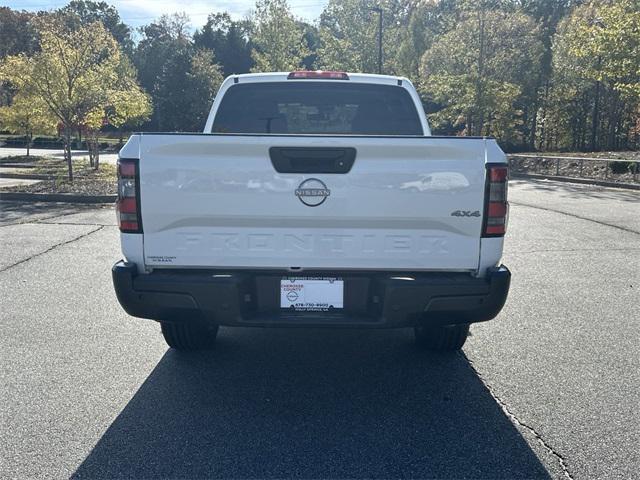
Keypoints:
pixel 496 205
pixel 322 74
pixel 128 203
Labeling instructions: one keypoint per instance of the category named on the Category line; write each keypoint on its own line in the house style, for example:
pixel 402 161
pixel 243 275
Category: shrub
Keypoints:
pixel 621 167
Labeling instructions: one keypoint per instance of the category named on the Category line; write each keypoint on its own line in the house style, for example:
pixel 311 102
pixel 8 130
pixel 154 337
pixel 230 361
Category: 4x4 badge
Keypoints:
pixel 465 213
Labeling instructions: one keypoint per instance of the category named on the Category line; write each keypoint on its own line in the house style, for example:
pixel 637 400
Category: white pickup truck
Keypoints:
pixel 315 199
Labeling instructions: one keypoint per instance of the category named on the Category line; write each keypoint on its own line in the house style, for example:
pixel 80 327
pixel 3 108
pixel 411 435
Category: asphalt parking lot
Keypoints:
pixel 550 389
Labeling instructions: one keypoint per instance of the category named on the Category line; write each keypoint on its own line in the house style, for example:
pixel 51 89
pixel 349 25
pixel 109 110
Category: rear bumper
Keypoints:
pixel 371 299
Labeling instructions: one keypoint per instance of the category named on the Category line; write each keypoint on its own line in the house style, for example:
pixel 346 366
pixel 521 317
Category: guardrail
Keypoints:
pixel 515 163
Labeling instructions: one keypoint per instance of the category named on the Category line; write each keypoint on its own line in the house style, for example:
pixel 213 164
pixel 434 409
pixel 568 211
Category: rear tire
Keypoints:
pixel 188 336
pixel 447 338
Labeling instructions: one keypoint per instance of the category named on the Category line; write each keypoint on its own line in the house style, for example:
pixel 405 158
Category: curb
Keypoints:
pixel 27 176
pixel 16 165
pixel 587 181
pixel 57 197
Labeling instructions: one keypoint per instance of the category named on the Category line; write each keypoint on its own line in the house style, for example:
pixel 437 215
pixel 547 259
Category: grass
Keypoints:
pixel 43 165
pixel 618 171
pixel 21 159
pixel 102 139
pixel 622 155
pixel 86 179
pixel 81 167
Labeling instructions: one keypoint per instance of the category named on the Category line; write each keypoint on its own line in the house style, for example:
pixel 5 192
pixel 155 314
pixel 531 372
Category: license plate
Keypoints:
pixel 311 294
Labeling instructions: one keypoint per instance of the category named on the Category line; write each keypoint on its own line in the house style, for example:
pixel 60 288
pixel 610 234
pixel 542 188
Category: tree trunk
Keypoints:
pixel 96 151
pixel 67 147
pixel 613 121
pixel 543 126
pixel 531 142
pixel 596 111
pixel 29 137
pixel 93 148
pixel 92 154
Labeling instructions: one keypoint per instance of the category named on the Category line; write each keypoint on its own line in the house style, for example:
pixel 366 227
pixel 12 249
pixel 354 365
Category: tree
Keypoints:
pixel 75 73
pixel 181 78
pixel 597 57
pixel 17 34
pixel 161 41
pixel 349 34
pixel 415 40
pixel 546 74
pixel 27 115
pixel 279 42
pixel 547 14
pixel 229 41
pixel 185 89
pixel 84 12
pixel 311 36
pixel 348 37
pixel 478 72
pixel 204 78
pixel 128 105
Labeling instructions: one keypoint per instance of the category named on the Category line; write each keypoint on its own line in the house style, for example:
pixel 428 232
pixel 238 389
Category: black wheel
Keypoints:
pixel 446 338
pixel 189 336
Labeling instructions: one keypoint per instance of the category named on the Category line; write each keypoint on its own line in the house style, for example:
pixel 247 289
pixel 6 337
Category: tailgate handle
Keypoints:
pixel 312 159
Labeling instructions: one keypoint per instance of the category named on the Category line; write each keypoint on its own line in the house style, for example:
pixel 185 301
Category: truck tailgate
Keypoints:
pixel 218 201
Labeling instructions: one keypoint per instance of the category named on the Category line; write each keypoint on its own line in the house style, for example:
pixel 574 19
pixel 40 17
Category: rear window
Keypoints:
pixel 329 107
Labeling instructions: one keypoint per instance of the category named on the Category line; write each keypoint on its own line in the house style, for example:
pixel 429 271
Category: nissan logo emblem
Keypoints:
pixel 312 192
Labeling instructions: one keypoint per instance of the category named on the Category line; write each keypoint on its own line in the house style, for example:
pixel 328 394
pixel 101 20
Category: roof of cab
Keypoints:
pixel 283 77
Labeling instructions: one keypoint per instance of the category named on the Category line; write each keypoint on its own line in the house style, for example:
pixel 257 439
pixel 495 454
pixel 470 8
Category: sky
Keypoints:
pixel 141 12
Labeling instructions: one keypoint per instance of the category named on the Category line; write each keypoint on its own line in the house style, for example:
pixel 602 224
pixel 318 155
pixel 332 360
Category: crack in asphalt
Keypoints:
pixel 61 244
pixel 60 216
pixel 27 221
pixel 625 229
pixel 78 224
pixel 505 408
